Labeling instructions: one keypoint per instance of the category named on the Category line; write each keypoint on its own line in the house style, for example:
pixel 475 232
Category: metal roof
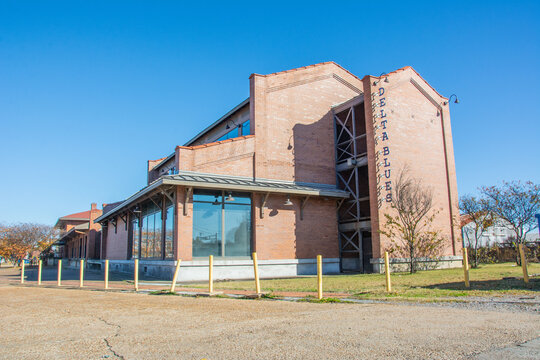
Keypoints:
pixel 234 183
pixel 235 109
pixel 208 128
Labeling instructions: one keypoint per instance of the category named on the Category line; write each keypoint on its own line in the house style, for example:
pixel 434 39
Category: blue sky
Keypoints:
pixel 91 90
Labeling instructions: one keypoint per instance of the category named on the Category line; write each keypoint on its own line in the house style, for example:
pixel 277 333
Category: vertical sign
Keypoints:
pixel 381 125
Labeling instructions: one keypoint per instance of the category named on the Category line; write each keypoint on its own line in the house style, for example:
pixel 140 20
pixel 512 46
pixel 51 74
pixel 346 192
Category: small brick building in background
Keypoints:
pixel 305 166
pixel 80 236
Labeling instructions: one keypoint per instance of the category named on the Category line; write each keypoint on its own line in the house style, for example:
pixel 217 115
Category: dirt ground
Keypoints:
pixel 51 323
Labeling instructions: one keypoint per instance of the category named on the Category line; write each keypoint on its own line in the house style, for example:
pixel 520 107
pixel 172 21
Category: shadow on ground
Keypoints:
pixel 487 285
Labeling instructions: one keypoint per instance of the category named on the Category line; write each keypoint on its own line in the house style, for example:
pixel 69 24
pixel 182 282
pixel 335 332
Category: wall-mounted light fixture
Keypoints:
pixel 378 81
pixel 450 99
pixel 229 197
pixel 228 126
pixel 288 202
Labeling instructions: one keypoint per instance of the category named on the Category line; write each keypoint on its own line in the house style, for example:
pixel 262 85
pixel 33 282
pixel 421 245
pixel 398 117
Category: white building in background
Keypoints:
pixel 499 233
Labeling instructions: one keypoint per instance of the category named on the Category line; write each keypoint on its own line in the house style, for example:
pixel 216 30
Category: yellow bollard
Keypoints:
pixel 81 274
pixel 175 277
pixel 136 275
pixel 22 272
pixel 210 274
pixel 319 277
pixel 256 271
pixel 59 279
pixel 40 264
pixel 524 264
pixel 387 272
pixel 106 274
pixel 466 268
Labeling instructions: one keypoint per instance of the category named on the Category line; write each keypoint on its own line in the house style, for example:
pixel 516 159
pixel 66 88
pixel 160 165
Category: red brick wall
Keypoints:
pixel 229 157
pixel 291 115
pixel 280 234
pixel 184 228
pixel 117 243
pixel 416 140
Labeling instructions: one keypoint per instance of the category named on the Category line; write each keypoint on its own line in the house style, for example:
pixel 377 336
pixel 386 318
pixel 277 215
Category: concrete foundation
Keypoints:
pixel 197 270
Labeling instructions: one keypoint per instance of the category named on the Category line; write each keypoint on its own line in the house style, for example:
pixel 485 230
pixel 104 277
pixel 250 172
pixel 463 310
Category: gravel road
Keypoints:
pixel 43 323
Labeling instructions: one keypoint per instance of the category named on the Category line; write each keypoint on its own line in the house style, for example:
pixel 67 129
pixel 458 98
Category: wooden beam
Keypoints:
pixel 263 203
pixel 168 196
pixel 188 192
pixel 157 203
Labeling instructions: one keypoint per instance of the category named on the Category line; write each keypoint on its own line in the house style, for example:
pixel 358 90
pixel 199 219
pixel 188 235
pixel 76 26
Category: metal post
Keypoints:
pixel 466 268
pixel 175 277
pixel 319 277
pixel 40 264
pixel 106 273
pixel 136 275
pixel 524 264
pixel 81 273
pixel 210 274
pixel 256 271
pixel 387 272
pixel 59 279
pixel 22 271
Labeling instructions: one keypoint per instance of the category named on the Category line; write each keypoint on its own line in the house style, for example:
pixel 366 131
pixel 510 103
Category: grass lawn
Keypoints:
pixel 487 280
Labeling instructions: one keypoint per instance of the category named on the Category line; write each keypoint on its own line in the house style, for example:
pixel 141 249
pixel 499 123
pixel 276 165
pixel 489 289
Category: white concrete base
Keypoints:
pixel 402 265
pixel 197 270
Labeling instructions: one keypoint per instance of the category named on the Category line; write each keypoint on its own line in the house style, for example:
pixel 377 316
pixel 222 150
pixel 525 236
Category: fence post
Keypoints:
pixel 210 274
pixel 59 279
pixel 256 271
pixel 387 272
pixel 466 267
pixel 524 264
pixel 136 275
pixel 175 277
pixel 40 264
pixel 106 273
pixel 81 273
pixel 22 272
pixel 319 277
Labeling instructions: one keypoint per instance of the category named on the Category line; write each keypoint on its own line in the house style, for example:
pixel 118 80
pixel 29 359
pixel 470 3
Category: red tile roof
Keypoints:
pixel 307 67
pixel 75 216
pixel 416 72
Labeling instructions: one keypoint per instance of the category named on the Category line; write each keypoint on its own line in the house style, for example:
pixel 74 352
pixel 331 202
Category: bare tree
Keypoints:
pixel 516 203
pixel 477 211
pixel 410 230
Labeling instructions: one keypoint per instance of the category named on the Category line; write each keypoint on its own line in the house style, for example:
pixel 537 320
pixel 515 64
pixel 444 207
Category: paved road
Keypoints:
pixel 48 323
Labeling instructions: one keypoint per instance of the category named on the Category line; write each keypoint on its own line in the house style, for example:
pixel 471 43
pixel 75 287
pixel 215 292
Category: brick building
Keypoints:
pixel 80 236
pixel 302 167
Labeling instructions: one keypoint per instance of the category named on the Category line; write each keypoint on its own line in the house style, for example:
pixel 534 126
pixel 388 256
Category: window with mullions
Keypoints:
pixel 221 223
pixel 153 234
pixel 245 128
pixel 169 229
pixel 238 130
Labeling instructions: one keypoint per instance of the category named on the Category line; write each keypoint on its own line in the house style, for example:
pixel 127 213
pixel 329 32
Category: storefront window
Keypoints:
pixel 221 224
pixel 136 238
pixel 169 230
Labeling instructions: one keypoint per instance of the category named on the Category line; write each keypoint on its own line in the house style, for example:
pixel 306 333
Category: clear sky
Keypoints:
pixel 90 90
